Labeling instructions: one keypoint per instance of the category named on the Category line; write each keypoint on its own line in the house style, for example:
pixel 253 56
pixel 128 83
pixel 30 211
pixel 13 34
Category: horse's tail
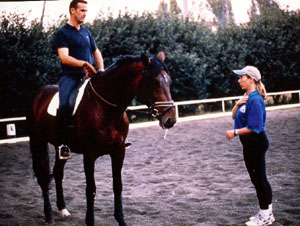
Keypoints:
pixel 38 145
pixel 40 162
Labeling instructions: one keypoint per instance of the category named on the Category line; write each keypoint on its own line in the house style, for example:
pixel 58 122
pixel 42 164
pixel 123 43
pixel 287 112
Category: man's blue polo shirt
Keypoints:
pixel 252 114
pixel 81 46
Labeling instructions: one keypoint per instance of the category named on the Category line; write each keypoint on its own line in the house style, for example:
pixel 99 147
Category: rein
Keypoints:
pixel 103 99
pixel 154 112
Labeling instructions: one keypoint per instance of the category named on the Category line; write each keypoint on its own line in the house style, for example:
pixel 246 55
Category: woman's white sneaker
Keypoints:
pixel 256 216
pixel 260 220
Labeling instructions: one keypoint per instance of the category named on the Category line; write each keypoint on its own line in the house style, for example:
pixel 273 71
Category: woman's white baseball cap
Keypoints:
pixel 252 71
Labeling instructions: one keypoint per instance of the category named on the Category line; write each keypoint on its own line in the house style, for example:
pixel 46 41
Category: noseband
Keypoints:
pixel 155 113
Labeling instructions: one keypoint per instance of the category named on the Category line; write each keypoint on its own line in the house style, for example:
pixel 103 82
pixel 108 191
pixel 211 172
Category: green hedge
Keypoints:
pixel 200 62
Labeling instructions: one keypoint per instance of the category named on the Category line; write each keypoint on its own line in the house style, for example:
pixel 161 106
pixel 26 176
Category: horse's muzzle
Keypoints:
pixel 169 123
pixel 166 116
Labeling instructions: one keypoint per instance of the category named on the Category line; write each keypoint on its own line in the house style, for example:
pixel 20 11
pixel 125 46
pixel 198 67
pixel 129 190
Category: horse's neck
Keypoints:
pixel 119 85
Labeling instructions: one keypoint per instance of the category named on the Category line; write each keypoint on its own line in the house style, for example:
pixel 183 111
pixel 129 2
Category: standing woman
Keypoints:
pixel 249 116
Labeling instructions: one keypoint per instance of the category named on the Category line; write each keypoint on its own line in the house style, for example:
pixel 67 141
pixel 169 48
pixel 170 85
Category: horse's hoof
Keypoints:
pixel 89 221
pixel 65 213
pixel 121 222
pixel 50 222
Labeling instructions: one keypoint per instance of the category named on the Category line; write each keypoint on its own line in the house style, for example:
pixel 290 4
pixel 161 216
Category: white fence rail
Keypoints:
pixel 179 119
pixel 214 100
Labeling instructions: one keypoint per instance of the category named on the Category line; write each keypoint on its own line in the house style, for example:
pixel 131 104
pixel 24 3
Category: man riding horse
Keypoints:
pixel 100 124
pixel 78 52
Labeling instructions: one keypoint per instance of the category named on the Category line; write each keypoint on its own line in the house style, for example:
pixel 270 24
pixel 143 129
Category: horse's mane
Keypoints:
pixel 124 60
pixel 156 67
pixel 128 59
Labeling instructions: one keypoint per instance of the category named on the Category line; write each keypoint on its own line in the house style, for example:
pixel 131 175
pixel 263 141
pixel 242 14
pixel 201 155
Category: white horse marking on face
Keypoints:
pixel 165 76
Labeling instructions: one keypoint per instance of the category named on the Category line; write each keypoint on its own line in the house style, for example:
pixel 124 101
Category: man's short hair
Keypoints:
pixel 74 3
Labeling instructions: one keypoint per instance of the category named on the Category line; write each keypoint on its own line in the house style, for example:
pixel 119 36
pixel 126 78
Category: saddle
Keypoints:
pixel 74 100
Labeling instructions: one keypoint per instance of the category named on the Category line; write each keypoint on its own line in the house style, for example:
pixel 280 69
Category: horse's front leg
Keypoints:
pixel 117 164
pixel 58 172
pixel 89 168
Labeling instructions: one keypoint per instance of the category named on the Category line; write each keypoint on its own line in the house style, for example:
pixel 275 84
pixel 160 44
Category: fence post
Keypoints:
pixel 223 105
pixel 176 111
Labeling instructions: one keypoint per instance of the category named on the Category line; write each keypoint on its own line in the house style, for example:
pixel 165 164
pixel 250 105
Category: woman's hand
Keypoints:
pixel 241 101
pixel 230 134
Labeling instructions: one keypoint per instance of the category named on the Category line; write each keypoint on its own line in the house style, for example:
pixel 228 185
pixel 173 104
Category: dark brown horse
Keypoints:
pixel 100 125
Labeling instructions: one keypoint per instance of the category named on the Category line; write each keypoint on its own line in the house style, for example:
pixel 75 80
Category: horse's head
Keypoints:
pixel 154 90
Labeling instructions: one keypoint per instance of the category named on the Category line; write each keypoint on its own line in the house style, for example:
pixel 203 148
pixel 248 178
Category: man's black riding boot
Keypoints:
pixel 64 151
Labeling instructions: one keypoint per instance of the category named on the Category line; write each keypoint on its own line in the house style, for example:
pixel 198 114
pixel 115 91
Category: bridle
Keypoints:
pixel 155 113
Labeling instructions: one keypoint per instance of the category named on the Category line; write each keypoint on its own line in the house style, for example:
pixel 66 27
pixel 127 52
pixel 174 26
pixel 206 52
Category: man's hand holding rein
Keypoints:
pixel 89 69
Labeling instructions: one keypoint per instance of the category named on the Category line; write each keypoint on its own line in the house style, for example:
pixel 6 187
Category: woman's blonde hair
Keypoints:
pixel 261 88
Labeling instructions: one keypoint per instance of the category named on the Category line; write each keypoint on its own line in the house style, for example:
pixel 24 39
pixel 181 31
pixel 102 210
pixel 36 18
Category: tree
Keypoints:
pixel 162 7
pixel 43 13
pixel 273 45
pixel 263 8
pixel 222 10
pixel 174 8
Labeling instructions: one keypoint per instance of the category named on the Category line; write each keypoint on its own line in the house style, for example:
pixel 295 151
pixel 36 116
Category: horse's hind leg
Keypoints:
pixel 40 160
pixel 117 164
pixel 58 172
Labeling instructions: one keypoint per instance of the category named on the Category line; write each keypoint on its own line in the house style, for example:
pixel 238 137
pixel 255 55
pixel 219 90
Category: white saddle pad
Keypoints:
pixel 54 103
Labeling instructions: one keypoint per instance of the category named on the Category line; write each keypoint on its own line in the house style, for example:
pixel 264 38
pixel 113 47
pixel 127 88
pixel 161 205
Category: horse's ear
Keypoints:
pixel 161 56
pixel 145 60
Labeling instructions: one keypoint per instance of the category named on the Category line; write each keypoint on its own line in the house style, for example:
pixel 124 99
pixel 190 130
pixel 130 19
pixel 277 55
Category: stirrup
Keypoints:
pixel 127 145
pixel 66 152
